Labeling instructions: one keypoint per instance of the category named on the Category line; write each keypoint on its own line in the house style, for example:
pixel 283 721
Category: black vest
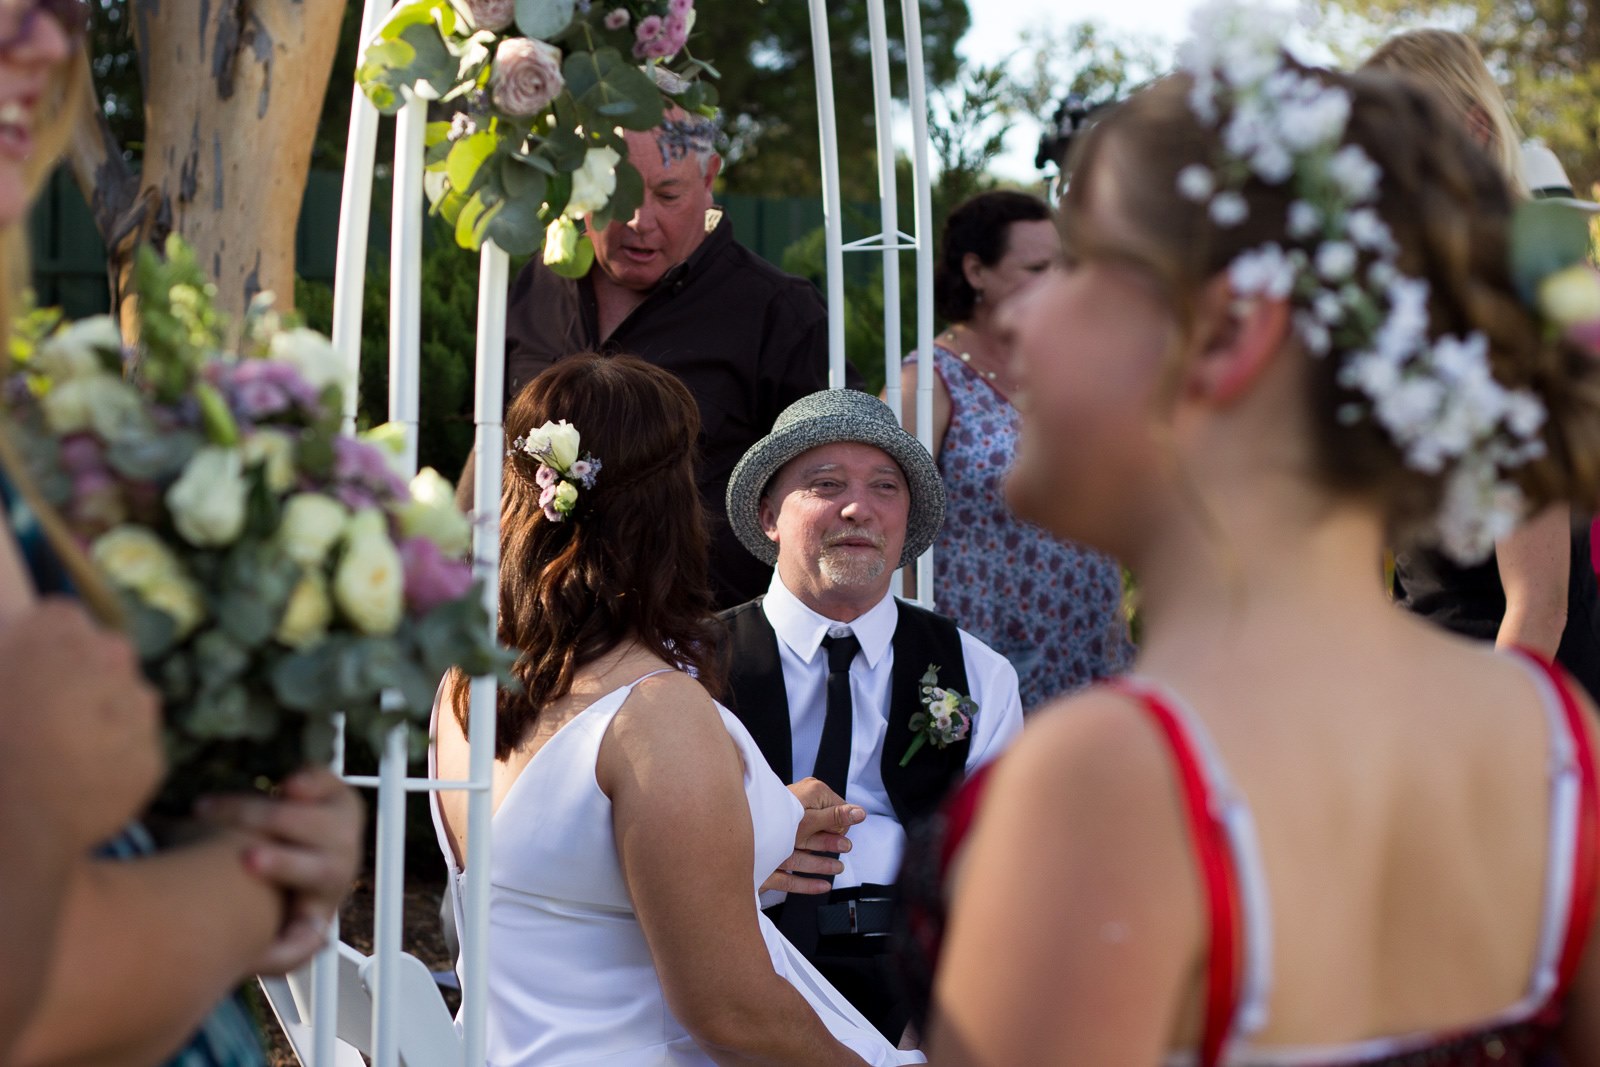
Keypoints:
pixel 921 639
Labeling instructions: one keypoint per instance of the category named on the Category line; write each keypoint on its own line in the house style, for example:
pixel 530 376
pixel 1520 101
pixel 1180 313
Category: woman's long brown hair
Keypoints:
pixel 629 562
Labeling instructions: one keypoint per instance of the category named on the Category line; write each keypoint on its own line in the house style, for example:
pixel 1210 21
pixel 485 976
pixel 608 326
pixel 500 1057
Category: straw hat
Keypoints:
pixel 826 418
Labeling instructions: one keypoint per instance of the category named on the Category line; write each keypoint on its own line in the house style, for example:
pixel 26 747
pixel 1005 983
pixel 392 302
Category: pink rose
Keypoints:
pixel 431 577
pixel 660 48
pixel 617 19
pixel 492 15
pixel 526 76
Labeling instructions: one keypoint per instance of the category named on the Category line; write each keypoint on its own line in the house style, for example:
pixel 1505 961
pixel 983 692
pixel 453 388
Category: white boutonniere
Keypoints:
pixel 945 719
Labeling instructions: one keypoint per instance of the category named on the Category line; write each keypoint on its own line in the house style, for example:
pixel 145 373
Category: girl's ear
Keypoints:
pixel 972 270
pixel 1238 338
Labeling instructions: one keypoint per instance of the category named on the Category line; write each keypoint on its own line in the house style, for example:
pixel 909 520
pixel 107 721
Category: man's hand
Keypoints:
pixel 820 836
pixel 81 732
pixel 307 841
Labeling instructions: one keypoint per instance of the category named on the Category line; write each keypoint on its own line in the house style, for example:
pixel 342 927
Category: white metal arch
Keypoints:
pixel 393 783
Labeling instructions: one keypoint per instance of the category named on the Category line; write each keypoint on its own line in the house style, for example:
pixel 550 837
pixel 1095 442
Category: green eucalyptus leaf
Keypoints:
pixel 565 149
pixel 535 160
pixel 467 155
pixel 516 227
pixel 219 659
pixel 1547 236
pixel 304 680
pixel 582 259
pixel 246 619
pixel 153 632
pixel 544 19
pixel 521 181
pixel 606 84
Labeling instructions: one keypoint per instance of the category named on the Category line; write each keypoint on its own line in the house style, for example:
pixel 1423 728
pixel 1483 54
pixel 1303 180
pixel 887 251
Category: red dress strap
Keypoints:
pixel 1215 860
pixel 1586 847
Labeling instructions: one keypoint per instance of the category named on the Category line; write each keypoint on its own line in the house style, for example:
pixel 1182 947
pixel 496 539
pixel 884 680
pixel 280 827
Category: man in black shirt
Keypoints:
pixel 673 287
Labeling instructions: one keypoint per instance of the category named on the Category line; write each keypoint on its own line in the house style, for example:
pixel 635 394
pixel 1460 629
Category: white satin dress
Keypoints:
pixel 571 980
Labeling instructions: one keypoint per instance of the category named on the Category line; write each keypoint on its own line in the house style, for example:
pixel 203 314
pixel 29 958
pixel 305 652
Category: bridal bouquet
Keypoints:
pixel 274 572
pixel 542 91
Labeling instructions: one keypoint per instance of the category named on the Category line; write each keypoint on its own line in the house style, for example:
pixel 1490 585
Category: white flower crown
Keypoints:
pixel 1437 398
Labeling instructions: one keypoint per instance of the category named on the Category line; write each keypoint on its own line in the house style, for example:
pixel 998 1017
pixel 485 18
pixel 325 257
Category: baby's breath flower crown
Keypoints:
pixel 1435 396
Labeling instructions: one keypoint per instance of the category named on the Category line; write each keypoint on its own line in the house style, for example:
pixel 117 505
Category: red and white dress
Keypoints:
pixel 1239 970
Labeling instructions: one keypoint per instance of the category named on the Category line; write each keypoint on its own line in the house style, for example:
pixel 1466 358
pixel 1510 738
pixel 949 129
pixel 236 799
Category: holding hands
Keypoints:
pixel 818 840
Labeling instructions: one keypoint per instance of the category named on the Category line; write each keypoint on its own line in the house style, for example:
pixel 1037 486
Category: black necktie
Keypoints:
pixel 833 754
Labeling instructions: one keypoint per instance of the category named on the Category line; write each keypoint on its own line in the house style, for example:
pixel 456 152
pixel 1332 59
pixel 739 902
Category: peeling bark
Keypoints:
pixel 227 139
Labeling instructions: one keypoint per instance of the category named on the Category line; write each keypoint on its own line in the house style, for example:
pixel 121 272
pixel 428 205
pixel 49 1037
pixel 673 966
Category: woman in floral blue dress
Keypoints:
pixel 1053 608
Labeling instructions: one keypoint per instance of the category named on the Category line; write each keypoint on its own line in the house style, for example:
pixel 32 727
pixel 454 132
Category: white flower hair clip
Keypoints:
pixel 562 469
pixel 1435 397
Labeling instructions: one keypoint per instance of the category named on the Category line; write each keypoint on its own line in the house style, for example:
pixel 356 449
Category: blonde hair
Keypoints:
pixel 1451 64
pixel 55 120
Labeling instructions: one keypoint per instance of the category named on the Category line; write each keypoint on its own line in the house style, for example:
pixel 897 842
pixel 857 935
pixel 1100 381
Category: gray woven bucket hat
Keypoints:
pixel 826 418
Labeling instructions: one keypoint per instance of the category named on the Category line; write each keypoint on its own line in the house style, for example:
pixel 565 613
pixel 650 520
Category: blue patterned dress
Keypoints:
pixel 1054 609
pixel 226 1037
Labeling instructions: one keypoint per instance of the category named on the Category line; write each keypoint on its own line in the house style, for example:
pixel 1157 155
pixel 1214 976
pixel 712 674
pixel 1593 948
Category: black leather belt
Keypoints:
pixel 861 916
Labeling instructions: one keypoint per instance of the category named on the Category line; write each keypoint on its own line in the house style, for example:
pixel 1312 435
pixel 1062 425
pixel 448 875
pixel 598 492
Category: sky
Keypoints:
pixel 997 28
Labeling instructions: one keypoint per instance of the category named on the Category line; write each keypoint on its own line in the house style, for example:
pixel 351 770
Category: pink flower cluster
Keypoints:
pixel 657 38
pixel 364 475
pixel 259 389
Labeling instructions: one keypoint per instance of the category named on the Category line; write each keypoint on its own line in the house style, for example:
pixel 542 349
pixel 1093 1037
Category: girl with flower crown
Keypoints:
pixel 1310 828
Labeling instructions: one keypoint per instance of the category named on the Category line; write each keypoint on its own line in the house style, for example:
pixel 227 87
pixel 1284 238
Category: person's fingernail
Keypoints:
pixel 844 845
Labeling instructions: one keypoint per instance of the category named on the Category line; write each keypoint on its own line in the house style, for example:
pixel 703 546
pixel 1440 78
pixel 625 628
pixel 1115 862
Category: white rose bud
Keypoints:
pixel 102 403
pixel 312 523
pixel 312 354
pixel 369 585
pixel 563 439
pixel 526 75
pixel 207 501
pixel 75 351
pixel 180 600
pixel 274 451
pixel 1571 296
pixel 306 616
pixel 594 182
pixel 432 513
pixel 492 15
pixel 134 558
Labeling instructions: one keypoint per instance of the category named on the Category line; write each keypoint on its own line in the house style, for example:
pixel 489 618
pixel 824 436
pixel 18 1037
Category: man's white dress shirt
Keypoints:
pixel 877 843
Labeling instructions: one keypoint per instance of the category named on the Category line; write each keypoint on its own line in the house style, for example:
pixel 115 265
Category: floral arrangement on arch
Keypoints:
pixel 543 91
pixel 274 572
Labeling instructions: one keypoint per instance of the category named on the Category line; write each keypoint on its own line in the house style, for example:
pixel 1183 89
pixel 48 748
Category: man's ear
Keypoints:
pixel 713 168
pixel 1238 338
pixel 769 518
pixel 970 266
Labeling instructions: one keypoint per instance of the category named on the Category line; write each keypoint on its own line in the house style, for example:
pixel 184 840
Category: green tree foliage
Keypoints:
pixel 1084 59
pixel 1545 53
pixel 768 91
pixel 449 339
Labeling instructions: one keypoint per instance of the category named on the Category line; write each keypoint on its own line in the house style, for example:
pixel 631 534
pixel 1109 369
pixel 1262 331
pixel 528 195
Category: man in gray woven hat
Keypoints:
pixel 887 703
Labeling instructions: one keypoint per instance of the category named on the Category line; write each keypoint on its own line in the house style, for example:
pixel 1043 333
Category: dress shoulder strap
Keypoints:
pixel 1222 833
pixel 1574 876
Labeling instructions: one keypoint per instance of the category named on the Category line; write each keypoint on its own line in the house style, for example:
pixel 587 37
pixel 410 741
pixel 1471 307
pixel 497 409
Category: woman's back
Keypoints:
pixel 1400 797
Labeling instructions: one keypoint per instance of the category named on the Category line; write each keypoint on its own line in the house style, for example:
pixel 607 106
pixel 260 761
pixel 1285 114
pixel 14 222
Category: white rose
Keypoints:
pixel 306 616
pixel 312 522
pixel 526 75
pixel 179 600
pixel 369 585
pixel 274 451
pixel 74 352
pixel 563 438
pixel 312 354
pixel 102 403
pixel 432 513
pixel 207 501
pixel 135 558
pixel 594 182
pixel 1571 296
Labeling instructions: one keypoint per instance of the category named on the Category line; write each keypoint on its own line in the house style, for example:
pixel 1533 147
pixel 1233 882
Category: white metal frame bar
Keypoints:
pixel 921 242
pixel 392 781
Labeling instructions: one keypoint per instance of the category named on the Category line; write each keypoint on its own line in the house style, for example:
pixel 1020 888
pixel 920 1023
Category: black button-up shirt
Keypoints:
pixel 745 338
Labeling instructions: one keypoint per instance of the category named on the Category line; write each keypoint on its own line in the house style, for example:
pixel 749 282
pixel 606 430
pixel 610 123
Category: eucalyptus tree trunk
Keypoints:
pixel 232 93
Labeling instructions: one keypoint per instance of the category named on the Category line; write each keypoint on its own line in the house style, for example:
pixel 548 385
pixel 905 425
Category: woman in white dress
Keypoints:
pixel 635 819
